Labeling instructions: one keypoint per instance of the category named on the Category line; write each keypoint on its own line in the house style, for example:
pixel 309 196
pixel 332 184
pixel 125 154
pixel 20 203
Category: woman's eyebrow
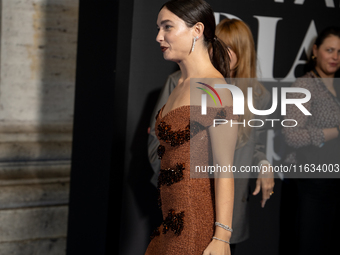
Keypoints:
pixel 164 21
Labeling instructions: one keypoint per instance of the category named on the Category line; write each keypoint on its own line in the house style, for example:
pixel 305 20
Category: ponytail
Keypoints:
pixel 220 57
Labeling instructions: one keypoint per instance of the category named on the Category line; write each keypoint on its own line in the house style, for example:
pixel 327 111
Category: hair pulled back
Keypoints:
pixel 194 11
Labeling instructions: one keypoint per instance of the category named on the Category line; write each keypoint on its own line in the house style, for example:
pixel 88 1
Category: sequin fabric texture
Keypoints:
pixel 187 204
pixel 175 138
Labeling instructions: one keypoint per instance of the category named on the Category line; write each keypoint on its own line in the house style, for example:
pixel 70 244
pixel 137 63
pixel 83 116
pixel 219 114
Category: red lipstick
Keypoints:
pixel 163 48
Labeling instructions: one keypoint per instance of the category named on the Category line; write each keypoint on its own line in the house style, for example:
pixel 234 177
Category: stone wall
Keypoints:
pixel 37 80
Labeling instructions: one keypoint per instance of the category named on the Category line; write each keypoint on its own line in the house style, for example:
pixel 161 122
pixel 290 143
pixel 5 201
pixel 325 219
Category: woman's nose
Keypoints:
pixel 336 55
pixel 159 36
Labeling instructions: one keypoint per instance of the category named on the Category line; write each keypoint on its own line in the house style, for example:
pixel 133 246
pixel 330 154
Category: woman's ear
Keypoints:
pixel 315 50
pixel 198 29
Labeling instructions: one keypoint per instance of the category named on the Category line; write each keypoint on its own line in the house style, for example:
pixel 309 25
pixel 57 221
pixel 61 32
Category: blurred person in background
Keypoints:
pixel 315 140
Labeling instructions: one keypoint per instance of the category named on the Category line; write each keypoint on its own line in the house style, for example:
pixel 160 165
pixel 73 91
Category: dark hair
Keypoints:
pixel 193 11
pixel 333 30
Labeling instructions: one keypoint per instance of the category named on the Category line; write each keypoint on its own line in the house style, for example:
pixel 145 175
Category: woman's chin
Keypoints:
pixel 331 70
pixel 168 58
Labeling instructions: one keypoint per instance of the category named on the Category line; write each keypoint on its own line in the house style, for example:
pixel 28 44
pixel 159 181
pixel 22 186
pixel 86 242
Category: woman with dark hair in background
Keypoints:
pixel 197 212
pixel 316 141
pixel 250 150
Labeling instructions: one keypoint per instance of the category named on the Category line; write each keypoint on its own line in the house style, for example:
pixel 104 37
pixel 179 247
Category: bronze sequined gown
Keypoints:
pixel 187 204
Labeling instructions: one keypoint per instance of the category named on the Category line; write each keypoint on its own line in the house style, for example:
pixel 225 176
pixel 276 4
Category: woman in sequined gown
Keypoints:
pixel 250 150
pixel 191 206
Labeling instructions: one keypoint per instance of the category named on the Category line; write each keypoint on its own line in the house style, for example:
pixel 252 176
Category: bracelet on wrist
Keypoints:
pixel 214 237
pixel 226 227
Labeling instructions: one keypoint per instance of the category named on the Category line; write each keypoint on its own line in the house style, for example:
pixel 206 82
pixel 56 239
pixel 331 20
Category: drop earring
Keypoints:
pixel 193 45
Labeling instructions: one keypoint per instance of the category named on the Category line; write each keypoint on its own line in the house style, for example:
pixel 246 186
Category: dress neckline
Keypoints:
pixel 160 115
pixel 170 112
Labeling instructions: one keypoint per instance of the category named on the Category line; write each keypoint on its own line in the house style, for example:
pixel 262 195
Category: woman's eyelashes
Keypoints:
pixel 165 27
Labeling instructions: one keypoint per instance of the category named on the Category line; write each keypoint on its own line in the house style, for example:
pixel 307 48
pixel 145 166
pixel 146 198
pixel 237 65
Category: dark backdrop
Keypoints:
pixel 120 71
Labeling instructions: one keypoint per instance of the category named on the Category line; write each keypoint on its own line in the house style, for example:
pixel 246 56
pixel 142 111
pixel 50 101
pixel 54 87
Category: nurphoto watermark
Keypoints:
pixel 239 102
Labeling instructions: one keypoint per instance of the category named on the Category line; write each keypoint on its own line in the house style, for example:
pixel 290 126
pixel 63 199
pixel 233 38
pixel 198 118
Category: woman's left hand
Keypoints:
pixel 265 181
pixel 217 247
